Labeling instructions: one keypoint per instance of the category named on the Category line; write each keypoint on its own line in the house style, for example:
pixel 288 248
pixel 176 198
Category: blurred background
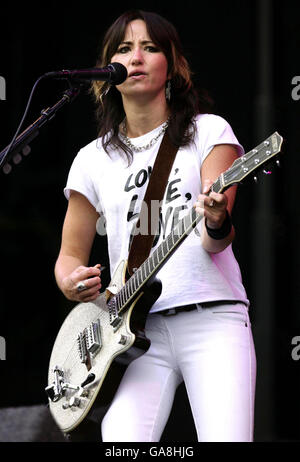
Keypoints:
pixel 246 55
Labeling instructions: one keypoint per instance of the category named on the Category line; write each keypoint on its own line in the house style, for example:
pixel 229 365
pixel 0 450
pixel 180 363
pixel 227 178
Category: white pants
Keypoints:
pixel 212 350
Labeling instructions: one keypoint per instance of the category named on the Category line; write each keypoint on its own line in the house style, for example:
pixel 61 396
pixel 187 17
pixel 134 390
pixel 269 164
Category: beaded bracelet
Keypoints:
pixel 220 233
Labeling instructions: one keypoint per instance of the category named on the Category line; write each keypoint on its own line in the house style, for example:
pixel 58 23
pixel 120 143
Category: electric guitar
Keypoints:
pixel 99 339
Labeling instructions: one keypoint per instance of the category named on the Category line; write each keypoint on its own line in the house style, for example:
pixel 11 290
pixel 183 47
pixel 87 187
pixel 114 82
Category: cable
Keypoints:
pixel 23 118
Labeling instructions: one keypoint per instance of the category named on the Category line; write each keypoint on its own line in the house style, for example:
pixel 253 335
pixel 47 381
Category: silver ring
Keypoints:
pixel 80 286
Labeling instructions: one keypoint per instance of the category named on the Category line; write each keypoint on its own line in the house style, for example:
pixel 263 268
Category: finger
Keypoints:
pixel 206 200
pixel 90 298
pixel 91 292
pixel 86 272
pixel 206 185
pixel 215 202
pixel 89 283
pixel 88 292
pixel 199 204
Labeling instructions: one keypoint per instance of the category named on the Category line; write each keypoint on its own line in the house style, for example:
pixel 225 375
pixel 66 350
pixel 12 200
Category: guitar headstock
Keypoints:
pixel 250 162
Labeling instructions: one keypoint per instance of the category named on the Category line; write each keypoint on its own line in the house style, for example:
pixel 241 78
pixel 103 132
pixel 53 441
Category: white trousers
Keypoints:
pixel 211 350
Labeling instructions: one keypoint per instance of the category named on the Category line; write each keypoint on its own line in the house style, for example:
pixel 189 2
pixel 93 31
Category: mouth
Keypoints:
pixel 137 74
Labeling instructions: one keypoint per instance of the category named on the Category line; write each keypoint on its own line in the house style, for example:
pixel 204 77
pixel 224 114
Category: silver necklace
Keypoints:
pixel 146 146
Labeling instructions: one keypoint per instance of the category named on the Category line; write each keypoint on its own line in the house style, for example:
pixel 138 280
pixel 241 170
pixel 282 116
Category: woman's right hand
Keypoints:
pixel 91 279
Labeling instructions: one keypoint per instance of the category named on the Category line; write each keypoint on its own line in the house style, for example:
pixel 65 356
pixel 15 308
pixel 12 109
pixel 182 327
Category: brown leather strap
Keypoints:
pixel 142 241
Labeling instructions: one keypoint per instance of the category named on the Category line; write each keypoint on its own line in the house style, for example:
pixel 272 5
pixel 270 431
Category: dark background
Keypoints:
pixel 245 53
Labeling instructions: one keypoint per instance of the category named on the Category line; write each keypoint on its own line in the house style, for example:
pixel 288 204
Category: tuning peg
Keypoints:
pixel 17 158
pixel 255 179
pixel 26 150
pixel 278 163
pixel 267 172
pixel 7 169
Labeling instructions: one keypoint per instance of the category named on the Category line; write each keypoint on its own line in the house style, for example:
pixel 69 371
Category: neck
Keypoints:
pixel 142 118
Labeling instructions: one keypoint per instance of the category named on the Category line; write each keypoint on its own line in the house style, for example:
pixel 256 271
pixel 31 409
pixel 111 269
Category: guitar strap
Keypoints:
pixel 142 239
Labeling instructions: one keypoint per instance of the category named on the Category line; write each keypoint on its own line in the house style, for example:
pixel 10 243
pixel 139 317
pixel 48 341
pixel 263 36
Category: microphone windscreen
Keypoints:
pixel 120 73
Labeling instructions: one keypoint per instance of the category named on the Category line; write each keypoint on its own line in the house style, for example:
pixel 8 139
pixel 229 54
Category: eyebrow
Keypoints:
pixel 129 42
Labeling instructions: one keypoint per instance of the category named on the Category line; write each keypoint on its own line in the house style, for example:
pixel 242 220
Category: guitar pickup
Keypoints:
pixel 93 337
pixel 89 341
pixel 114 319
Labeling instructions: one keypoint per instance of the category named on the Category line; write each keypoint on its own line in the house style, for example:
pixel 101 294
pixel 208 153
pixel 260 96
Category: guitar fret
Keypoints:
pixel 175 238
pixel 138 277
pixel 164 248
pixel 151 264
pixel 126 287
pixel 143 271
pixel 118 302
pixel 167 244
pixel 187 222
pixel 184 225
pixel 133 283
pixel 122 295
pixel 148 263
pixel 146 271
pixel 130 283
pixel 172 238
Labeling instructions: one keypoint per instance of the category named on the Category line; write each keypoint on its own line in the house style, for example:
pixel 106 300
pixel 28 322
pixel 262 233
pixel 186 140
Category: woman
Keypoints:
pixel 199 327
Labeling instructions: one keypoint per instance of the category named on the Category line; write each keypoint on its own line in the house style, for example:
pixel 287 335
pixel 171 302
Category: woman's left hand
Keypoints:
pixel 212 206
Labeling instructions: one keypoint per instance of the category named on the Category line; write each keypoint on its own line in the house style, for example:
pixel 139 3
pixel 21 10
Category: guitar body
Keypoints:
pixel 119 346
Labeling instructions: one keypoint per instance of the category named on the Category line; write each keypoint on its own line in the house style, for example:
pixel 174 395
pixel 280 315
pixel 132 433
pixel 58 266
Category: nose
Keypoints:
pixel 137 56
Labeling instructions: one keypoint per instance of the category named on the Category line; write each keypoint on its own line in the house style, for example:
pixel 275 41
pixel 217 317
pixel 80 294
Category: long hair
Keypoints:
pixel 185 102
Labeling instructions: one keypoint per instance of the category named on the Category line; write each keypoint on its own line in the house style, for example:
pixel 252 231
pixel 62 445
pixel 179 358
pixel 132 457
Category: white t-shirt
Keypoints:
pixel 116 190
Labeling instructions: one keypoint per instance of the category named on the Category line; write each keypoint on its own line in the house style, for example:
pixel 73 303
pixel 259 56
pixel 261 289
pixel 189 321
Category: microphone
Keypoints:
pixel 114 73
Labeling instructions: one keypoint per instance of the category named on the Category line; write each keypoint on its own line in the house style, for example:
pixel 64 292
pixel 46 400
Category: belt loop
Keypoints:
pixel 169 312
pixel 199 307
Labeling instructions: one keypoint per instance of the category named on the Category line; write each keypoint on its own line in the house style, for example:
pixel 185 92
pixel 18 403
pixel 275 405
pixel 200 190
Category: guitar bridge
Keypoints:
pixel 55 390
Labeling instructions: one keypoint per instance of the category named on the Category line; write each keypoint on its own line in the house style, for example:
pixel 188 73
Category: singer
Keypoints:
pixel 199 327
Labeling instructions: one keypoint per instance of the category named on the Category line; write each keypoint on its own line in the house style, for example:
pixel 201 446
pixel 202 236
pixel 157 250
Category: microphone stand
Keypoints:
pixel 21 144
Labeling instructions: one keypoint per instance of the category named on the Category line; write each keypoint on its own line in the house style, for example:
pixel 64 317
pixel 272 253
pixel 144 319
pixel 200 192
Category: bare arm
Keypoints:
pixel 219 160
pixel 78 234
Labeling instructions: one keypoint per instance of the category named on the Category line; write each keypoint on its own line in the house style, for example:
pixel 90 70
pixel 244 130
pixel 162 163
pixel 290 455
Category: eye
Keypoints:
pixel 152 49
pixel 123 49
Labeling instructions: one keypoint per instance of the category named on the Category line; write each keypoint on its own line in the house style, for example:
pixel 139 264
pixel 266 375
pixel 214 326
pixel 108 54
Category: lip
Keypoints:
pixel 133 76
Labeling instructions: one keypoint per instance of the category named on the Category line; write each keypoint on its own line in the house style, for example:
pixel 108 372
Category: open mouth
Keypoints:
pixel 137 74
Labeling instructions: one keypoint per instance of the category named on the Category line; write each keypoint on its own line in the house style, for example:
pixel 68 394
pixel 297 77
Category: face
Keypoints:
pixel 146 64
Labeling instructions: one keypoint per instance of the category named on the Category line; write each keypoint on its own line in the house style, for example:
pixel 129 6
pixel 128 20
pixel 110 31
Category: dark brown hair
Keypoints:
pixel 185 102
